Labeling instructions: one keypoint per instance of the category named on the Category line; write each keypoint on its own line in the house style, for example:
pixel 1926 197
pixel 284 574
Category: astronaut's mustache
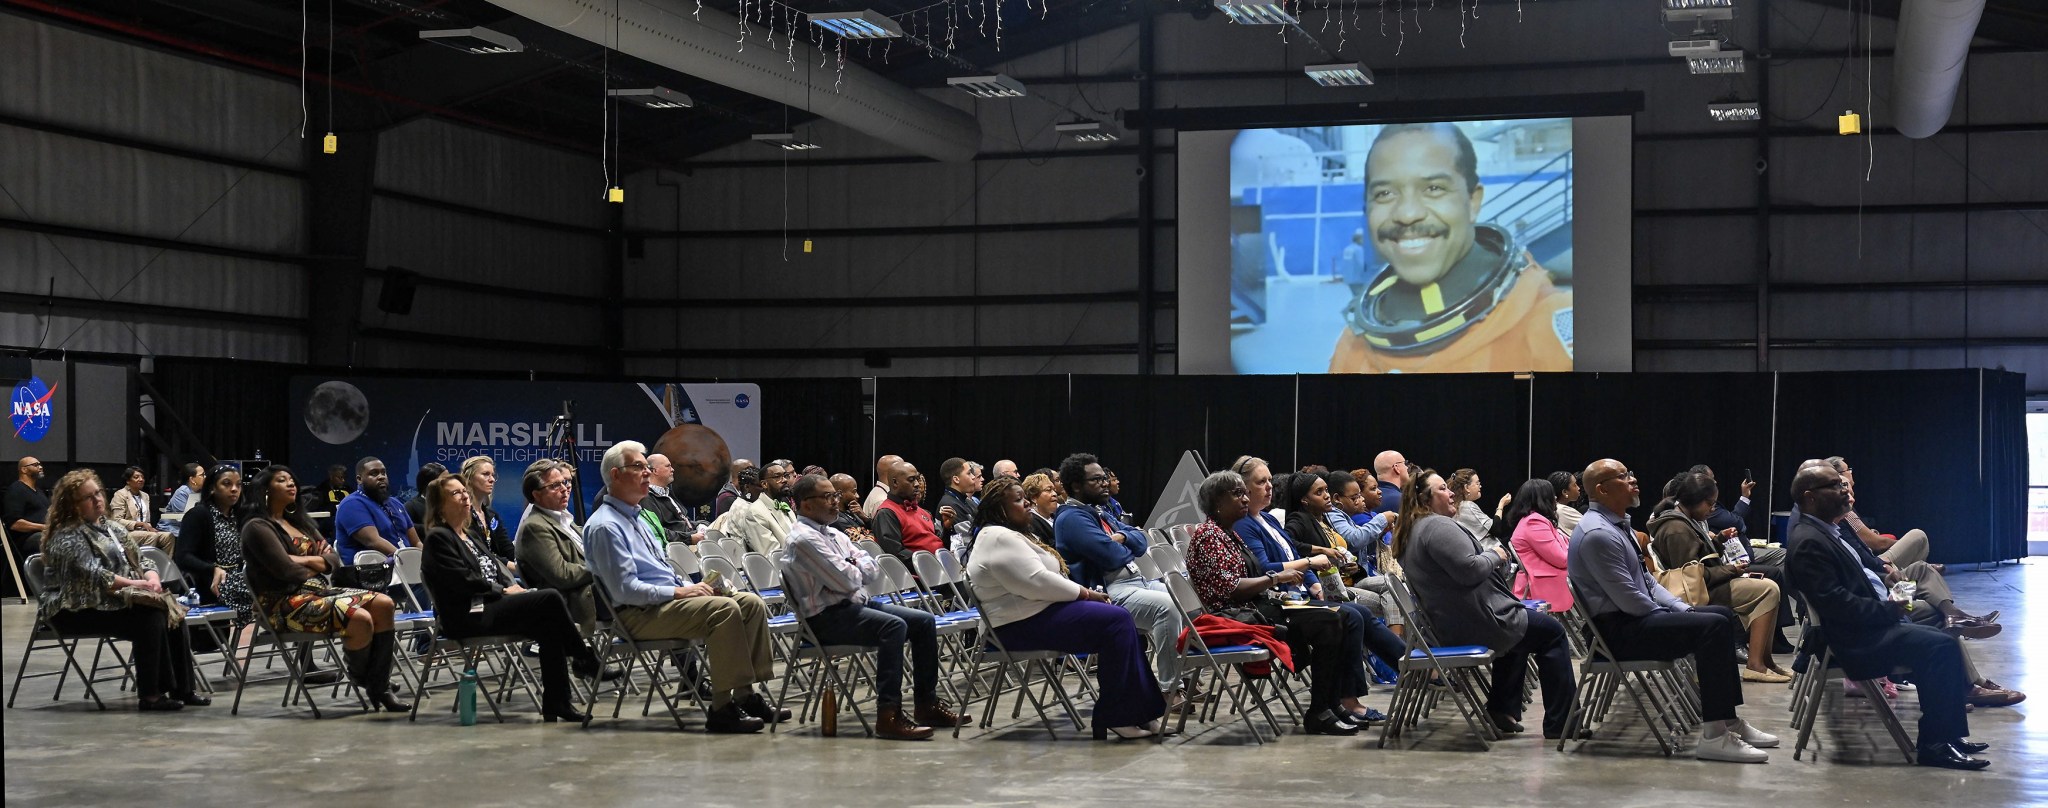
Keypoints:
pixel 1399 232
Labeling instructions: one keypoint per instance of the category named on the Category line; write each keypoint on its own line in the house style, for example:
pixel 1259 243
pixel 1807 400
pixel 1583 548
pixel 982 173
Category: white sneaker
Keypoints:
pixel 1753 736
pixel 1729 748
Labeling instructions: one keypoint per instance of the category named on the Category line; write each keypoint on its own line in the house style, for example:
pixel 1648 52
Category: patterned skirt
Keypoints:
pixel 314 608
pixel 234 591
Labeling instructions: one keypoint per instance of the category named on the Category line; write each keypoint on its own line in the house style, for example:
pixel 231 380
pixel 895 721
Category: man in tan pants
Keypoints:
pixel 655 603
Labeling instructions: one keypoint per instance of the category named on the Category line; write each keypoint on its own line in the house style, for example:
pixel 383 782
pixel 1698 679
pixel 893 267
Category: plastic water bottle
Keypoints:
pixel 465 698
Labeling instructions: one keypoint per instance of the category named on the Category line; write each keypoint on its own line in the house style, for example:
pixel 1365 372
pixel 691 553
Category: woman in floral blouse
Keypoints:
pixel 96 581
pixel 1232 583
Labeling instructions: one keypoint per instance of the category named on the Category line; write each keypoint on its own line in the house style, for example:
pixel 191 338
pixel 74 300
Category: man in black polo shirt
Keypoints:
pixel 23 511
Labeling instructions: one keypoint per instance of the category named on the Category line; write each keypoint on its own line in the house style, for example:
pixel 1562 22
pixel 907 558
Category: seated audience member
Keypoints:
pixel 1722 518
pixel 674 518
pixel 762 523
pixel 186 495
pixel 1101 551
pixel 286 556
pixel 371 518
pixel 732 492
pixel 1309 501
pixel 550 548
pixel 129 509
pixel 1392 470
pixel 827 580
pixel 1569 498
pixel 1863 624
pixel 475 596
pixel 1641 620
pixel 654 602
pixel 1042 495
pixel 416 507
pixel 1679 536
pixel 956 503
pixel 1985 693
pixel 1541 545
pixel 1233 583
pixel 333 489
pixel 480 477
pixel 1006 468
pixel 902 527
pixel 1466 488
pixel 210 544
pixel 96 580
pixel 1024 591
pixel 1464 591
pixel 24 508
pixel 1352 498
pixel 1115 507
pixel 851 519
pixel 1906 559
pixel 883 469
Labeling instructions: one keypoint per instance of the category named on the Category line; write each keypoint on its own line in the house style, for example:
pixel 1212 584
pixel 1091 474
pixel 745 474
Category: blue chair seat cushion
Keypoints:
pixel 1451 651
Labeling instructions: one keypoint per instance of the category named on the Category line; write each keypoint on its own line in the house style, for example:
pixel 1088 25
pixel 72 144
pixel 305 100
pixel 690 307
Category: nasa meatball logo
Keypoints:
pixel 31 413
pixel 741 401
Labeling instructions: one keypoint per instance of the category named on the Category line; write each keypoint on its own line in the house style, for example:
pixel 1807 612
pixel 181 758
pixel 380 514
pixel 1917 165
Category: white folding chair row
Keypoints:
pixel 764 578
pixel 685 559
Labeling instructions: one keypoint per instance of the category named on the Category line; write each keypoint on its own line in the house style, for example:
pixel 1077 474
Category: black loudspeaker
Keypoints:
pixel 877 359
pixel 395 297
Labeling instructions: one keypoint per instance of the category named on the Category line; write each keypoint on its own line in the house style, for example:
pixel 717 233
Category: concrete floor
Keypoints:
pixel 60 754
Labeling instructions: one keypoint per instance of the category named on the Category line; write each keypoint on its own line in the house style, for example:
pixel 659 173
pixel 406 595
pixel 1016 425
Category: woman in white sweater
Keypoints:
pixel 1024 589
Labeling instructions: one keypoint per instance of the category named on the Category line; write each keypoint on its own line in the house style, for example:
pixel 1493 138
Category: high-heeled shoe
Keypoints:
pixel 1123 733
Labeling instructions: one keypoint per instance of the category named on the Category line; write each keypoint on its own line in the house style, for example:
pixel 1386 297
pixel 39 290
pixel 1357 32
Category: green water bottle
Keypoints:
pixel 465 698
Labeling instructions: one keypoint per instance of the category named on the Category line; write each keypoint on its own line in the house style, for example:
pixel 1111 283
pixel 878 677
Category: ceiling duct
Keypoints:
pixel 1933 45
pixel 665 33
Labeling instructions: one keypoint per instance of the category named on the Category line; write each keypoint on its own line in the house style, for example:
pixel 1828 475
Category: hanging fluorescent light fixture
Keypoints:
pixel 863 24
pixel 1689 48
pixel 1350 74
pixel 1086 131
pixel 996 86
pixel 785 141
pixel 474 40
pixel 1256 12
pixel 1695 5
pixel 653 97
pixel 1734 110
pixel 1698 15
pixel 1716 64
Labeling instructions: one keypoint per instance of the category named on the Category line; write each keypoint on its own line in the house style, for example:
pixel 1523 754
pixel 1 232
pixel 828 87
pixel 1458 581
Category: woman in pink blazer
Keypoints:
pixel 1540 544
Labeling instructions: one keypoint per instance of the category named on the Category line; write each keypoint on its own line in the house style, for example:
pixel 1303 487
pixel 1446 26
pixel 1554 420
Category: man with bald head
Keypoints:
pixel 1005 468
pixel 1641 620
pixel 672 517
pixel 901 525
pixel 851 515
pixel 884 466
pixel 1865 623
pixel 730 492
pixel 23 511
pixel 1392 470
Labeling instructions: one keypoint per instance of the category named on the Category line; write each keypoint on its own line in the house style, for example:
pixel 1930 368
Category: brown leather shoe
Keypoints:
pixel 891 724
pixel 1988 697
pixel 939 714
pixel 1972 628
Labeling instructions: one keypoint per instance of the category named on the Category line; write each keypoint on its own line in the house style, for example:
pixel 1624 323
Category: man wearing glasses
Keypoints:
pixel 1102 552
pixel 1641 620
pixel 655 603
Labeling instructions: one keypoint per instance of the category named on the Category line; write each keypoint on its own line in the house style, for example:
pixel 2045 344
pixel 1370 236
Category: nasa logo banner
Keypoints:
pixel 409 423
pixel 31 412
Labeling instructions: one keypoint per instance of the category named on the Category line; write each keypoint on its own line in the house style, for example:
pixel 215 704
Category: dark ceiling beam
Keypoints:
pixel 2018 22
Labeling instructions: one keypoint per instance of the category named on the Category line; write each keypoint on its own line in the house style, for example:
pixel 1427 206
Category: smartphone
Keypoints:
pixel 1746 476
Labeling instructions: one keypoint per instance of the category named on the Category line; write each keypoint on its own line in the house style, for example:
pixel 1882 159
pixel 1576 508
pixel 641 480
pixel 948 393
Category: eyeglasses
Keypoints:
pixel 1097 478
pixel 638 468
pixel 833 495
pixel 1839 485
pixel 562 485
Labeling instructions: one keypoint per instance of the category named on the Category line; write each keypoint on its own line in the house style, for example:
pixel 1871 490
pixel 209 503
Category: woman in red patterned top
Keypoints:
pixel 1232 583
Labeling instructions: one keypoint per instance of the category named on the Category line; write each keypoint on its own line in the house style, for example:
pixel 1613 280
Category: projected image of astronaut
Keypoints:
pixel 1456 294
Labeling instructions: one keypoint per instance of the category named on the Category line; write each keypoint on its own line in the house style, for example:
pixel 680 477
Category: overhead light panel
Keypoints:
pixel 474 40
pixel 1350 74
pixel 654 97
pixel 1722 62
pixel 996 86
pixel 1256 12
pixel 1689 48
pixel 786 141
pixel 863 24
pixel 1086 131
pixel 1732 110
pixel 1697 5
pixel 1698 15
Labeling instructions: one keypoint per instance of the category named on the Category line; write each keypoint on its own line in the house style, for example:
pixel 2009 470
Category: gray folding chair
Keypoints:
pixel 1461 667
pixel 686 561
pixel 824 668
pixel 1602 676
pixel 44 637
pixel 1809 692
pixel 764 578
pixel 1219 660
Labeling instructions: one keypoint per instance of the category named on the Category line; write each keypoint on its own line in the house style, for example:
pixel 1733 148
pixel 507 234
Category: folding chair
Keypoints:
pixel 1602 675
pixel 732 548
pixel 288 646
pixel 503 650
pixel 713 534
pixel 205 617
pixel 764 577
pixel 1168 558
pixel 728 571
pixel 635 651
pixel 1215 659
pixel 1461 667
pixel 45 636
pixel 824 670
pixel 1025 662
pixel 686 561
pixel 954 619
pixel 872 547
pixel 368 557
pixel 901 588
pixel 1809 691
pixel 1148 566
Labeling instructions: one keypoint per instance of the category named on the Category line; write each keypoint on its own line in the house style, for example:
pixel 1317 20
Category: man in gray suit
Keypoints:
pixel 551 549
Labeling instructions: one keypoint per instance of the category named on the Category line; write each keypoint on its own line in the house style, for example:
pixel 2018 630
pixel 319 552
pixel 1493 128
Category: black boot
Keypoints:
pixel 378 673
pixel 313 674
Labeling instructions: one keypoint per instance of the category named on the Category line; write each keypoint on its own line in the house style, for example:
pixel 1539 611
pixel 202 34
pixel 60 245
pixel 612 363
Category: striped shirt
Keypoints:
pixel 822 568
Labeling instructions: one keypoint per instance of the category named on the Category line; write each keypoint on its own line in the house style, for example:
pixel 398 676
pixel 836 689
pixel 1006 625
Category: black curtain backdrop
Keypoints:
pixel 236 408
pixel 817 421
pixel 1444 422
pixel 1912 439
pixel 981 418
pixel 2005 471
pixel 1140 426
pixel 1659 424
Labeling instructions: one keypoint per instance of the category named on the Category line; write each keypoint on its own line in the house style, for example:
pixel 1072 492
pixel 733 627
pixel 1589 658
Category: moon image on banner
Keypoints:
pixel 703 462
pixel 337 413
